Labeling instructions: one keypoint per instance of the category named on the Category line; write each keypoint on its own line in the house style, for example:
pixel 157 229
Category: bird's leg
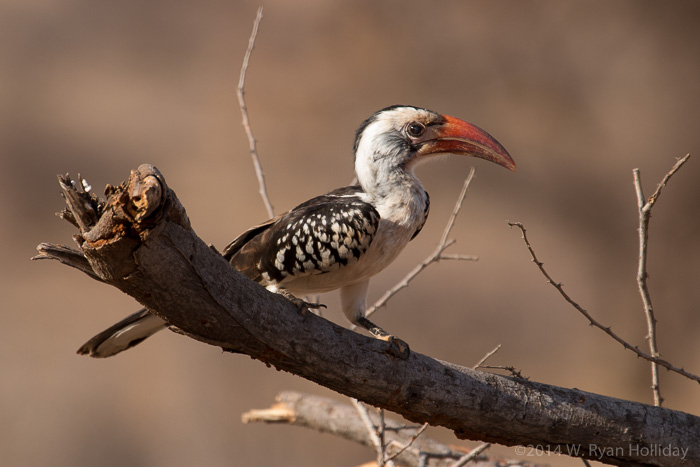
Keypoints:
pixel 299 303
pixel 353 297
pixel 397 348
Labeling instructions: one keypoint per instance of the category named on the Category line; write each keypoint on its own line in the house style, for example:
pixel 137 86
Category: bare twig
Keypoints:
pixel 381 430
pixel 515 373
pixel 458 206
pixel 486 357
pixel 374 433
pixel 472 455
pixel 435 256
pixel 408 444
pixel 459 257
pixel 606 329
pixel 644 208
pixel 363 412
pixel 666 178
pixel 642 275
pixel 246 122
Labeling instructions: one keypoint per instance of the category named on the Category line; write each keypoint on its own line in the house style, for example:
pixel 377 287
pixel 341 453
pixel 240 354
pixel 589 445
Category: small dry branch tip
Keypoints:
pixel 472 455
pixel 246 122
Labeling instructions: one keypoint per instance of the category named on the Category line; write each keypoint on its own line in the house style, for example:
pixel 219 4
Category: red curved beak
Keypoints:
pixel 456 136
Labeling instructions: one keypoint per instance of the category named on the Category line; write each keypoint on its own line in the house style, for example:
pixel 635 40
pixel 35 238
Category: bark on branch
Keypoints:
pixel 329 416
pixel 140 241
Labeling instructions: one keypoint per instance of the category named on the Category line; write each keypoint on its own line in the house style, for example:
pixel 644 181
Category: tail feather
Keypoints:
pixel 128 332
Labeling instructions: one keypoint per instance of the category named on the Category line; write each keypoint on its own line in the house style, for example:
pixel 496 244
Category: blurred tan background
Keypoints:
pixel 579 92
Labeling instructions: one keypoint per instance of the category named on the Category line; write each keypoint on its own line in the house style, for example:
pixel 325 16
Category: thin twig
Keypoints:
pixel 591 320
pixel 458 206
pixel 486 357
pixel 409 444
pixel 246 123
pixel 472 455
pixel 459 257
pixel 399 429
pixel 435 256
pixel 373 433
pixel 666 178
pixel 364 416
pixel 403 283
pixel 644 209
pixel 642 284
pixel 511 369
pixel 381 429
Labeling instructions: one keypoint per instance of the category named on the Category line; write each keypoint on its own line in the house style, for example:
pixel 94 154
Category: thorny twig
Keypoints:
pixel 591 320
pixel 435 256
pixel 511 369
pixel 246 122
pixel 644 208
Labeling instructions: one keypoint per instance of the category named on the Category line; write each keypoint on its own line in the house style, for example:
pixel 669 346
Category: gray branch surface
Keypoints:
pixel 329 416
pixel 140 241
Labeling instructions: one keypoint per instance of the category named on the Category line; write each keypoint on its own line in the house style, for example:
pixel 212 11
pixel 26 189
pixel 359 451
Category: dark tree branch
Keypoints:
pixel 143 244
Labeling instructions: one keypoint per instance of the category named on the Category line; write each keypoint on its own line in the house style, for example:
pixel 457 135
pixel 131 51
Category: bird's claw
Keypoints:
pixel 397 348
pixel 302 305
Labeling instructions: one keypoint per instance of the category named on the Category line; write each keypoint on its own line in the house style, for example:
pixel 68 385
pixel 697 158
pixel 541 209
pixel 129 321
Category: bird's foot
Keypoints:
pixel 397 348
pixel 302 305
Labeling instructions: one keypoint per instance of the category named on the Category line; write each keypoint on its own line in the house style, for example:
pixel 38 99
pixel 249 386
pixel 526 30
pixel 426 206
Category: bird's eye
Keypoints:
pixel 415 129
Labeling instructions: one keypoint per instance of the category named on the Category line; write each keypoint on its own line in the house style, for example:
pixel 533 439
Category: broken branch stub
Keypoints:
pixel 125 220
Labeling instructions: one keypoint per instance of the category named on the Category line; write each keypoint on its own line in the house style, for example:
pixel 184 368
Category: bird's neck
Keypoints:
pixel 381 169
pixel 382 184
pixel 397 194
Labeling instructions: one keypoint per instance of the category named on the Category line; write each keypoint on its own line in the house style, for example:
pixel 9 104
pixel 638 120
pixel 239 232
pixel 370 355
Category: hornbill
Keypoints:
pixel 341 239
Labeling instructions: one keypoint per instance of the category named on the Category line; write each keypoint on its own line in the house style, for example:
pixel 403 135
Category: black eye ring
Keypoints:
pixel 415 129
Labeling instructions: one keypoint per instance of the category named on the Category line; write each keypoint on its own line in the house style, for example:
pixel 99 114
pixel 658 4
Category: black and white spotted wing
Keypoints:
pixel 318 236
